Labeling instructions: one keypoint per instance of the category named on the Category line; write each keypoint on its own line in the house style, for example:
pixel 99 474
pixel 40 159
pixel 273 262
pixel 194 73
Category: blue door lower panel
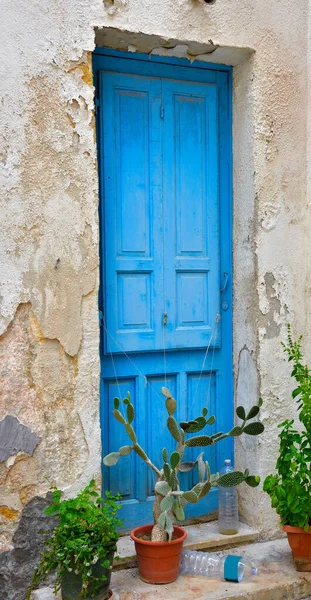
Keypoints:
pixel 193 390
pixel 165 180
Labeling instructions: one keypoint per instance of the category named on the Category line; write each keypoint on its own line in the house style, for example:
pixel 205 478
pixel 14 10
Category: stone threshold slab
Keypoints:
pixel 277 579
pixel 203 536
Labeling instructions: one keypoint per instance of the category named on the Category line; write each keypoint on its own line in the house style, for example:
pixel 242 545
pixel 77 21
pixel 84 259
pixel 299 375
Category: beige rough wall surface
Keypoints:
pixel 49 367
pixel 49 237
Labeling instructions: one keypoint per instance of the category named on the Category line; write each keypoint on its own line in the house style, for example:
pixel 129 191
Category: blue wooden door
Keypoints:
pixel 164 162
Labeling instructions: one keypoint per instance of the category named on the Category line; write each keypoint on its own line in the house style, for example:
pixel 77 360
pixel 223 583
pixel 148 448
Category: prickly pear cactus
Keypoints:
pixel 170 500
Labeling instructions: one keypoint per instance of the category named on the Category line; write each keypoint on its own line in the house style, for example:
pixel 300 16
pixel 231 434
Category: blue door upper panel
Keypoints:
pixel 191 212
pixel 161 229
pixel 133 212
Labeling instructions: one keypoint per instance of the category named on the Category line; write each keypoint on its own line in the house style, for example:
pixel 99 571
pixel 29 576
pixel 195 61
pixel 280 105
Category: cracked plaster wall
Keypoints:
pixel 49 237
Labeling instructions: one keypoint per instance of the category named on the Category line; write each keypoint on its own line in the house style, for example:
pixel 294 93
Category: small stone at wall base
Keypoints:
pixel 17 565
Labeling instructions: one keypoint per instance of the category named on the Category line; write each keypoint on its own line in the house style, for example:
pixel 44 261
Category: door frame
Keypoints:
pixel 144 64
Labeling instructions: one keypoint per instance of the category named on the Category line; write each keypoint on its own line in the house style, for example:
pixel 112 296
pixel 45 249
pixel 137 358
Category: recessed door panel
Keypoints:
pixel 191 233
pixel 132 231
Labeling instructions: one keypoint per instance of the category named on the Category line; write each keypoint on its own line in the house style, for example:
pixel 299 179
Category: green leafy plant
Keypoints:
pixel 84 536
pixel 170 500
pixel 290 488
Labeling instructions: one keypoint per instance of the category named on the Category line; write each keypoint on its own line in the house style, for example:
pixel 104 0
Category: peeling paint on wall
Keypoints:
pixel 38 384
pixel 247 391
pixel 63 265
pixel 274 313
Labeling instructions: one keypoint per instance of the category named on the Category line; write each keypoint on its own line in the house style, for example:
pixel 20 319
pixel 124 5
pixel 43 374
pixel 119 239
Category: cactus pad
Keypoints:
pixel 138 449
pixel 173 428
pixel 171 405
pixel 165 523
pixel 162 488
pixel 197 488
pixel 174 459
pixel 130 413
pixel 166 504
pixel 191 497
pixel 111 459
pixel 240 411
pixel 205 489
pixel 252 480
pixel 211 420
pixel 253 412
pixel 174 481
pixel 201 468
pixel 199 440
pixel 186 466
pixel 125 450
pixel 178 509
pixel 231 479
pixel 254 428
pixel 184 425
pixel 166 392
pixel 130 432
pixel 167 473
pixel 117 415
pixel 197 425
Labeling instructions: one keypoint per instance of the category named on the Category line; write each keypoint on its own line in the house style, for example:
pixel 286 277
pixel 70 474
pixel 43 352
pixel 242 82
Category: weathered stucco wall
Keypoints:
pixel 49 366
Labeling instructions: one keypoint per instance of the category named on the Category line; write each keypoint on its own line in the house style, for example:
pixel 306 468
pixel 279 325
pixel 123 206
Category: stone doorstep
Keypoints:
pixel 277 579
pixel 203 536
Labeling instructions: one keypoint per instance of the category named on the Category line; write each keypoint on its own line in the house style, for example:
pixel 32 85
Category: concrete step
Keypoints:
pixel 277 579
pixel 203 536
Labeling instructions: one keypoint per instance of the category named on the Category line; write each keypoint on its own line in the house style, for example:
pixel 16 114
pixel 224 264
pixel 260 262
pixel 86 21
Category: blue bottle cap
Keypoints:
pixel 231 568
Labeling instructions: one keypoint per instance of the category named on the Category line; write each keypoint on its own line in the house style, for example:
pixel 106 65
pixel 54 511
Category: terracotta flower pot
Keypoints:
pixel 158 562
pixel 300 543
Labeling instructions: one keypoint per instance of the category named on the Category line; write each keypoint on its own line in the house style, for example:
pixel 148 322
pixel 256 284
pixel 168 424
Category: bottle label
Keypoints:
pixel 231 568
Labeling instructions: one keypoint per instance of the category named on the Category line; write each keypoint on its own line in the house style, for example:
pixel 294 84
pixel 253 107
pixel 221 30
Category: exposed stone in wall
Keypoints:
pixel 15 437
pixel 17 564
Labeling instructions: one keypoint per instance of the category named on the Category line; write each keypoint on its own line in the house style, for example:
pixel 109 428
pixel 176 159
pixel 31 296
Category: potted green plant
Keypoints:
pixel 81 546
pixel 290 488
pixel 159 546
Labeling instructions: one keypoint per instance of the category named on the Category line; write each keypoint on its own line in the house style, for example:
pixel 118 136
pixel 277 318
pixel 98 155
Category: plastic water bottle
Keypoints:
pixel 228 516
pixel 231 568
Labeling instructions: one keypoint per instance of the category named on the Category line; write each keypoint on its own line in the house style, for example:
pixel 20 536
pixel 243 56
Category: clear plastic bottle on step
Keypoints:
pixel 228 516
pixel 231 568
